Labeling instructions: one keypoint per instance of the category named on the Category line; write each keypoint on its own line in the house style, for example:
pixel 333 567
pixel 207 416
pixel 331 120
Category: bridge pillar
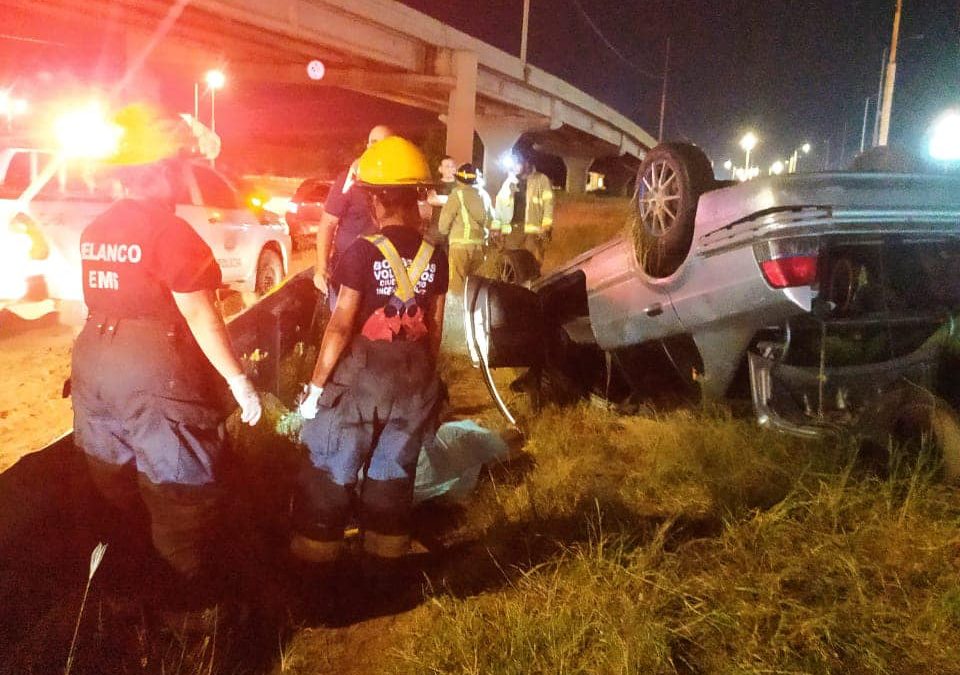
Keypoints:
pixel 578 168
pixel 462 109
pixel 499 134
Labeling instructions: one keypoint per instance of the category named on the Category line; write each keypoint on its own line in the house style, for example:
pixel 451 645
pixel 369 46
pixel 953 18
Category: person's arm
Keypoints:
pixel 447 215
pixel 206 324
pixel 434 319
pixel 436 199
pixel 337 336
pixel 325 234
pixel 547 197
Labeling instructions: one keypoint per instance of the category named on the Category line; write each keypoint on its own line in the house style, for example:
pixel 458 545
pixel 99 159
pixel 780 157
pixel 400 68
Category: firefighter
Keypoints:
pixel 375 392
pixel 465 222
pixel 524 210
pixel 437 197
pixel 149 364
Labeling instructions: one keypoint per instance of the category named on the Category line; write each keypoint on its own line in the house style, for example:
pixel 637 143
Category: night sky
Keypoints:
pixel 793 71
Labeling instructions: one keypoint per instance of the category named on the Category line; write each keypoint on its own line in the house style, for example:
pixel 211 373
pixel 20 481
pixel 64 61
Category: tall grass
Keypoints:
pixel 692 542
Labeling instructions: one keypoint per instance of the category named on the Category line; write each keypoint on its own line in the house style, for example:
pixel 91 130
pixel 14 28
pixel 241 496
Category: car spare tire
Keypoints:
pixel 269 271
pixel 669 184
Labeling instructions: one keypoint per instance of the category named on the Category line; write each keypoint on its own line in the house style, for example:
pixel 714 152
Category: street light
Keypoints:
pixel 945 138
pixel 748 143
pixel 777 168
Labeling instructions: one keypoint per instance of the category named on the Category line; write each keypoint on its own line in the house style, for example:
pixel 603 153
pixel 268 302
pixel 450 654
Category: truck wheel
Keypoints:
pixel 269 271
pixel 517 267
pixel 669 184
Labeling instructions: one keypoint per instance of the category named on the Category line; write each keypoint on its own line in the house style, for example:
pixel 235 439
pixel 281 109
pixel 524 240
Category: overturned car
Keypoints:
pixel 830 296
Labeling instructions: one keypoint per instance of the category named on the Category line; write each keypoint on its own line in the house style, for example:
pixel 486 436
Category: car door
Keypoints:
pixel 227 222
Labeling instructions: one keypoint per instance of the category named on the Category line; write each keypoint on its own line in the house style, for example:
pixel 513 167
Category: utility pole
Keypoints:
pixel 866 114
pixel 524 31
pixel 876 112
pixel 663 93
pixel 891 78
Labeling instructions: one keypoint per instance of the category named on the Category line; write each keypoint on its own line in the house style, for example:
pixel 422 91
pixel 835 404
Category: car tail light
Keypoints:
pixel 798 270
pixel 22 226
pixel 789 263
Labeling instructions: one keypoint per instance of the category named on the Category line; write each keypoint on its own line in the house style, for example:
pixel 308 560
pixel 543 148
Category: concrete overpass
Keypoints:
pixel 385 49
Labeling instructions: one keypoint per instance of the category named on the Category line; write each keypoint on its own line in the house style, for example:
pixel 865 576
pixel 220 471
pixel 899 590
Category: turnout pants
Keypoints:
pixel 374 415
pixel 147 415
pixel 464 261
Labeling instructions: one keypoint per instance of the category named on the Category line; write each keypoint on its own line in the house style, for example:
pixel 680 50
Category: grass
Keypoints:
pixel 691 542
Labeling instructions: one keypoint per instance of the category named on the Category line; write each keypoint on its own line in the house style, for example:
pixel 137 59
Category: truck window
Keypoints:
pixel 214 191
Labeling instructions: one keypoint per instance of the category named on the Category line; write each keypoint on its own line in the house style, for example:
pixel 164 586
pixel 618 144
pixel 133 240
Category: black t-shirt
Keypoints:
pixel 135 253
pixel 520 203
pixel 364 269
pixel 353 209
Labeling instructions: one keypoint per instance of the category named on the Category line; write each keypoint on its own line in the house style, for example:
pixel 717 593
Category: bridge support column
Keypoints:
pixel 499 135
pixel 462 110
pixel 578 168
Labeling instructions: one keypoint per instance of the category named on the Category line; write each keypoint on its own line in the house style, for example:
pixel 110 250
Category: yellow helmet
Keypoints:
pixel 393 162
pixel 147 136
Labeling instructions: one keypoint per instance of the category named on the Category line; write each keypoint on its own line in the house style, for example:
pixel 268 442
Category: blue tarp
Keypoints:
pixel 451 464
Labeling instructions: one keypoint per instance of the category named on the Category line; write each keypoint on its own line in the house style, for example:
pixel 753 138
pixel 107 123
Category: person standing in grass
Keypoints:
pixel 375 393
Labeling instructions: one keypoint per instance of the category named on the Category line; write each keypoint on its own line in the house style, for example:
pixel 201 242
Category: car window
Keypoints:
pixel 214 191
pixel 17 177
pixel 318 193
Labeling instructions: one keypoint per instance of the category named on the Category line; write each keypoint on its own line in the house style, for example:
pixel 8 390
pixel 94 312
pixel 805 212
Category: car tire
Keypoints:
pixel 517 267
pixel 669 184
pixel 269 272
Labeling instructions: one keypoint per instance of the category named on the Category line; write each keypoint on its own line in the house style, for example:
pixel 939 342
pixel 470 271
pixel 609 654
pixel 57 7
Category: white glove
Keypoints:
pixel 247 398
pixel 310 403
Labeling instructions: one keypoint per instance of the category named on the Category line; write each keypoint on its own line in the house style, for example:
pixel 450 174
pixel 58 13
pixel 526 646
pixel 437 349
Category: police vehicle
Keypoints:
pixel 40 233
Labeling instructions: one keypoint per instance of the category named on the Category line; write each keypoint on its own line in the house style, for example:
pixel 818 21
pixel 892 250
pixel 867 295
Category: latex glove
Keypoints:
pixel 310 403
pixel 247 398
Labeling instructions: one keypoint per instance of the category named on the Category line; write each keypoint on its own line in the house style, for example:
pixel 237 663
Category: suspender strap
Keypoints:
pixel 406 277
pixel 464 216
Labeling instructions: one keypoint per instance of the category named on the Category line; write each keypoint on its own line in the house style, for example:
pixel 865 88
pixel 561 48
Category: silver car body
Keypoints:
pixel 720 296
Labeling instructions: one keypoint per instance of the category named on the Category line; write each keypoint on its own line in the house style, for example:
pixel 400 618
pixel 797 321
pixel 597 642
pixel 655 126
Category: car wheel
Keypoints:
pixel 669 184
pixel 269 271
pixel 517 267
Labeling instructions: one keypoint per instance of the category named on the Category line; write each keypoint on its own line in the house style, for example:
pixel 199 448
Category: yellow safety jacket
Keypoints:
pixel 539 216
pixel 465 218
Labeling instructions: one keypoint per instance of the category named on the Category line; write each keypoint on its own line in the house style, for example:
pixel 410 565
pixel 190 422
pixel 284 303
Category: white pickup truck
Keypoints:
pixel 40 238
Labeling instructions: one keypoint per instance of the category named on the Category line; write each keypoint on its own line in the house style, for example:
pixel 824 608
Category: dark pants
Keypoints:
pixel 149 417
pixel 374 415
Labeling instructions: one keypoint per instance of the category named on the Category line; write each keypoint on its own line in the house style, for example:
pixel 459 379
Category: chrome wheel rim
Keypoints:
pixel 659 199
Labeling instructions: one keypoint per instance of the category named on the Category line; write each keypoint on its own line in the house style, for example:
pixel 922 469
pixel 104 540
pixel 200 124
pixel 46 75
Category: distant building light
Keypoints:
pixel 945 138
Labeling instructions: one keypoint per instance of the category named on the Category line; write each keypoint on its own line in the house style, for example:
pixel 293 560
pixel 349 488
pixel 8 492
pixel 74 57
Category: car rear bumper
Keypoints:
pixel 812 402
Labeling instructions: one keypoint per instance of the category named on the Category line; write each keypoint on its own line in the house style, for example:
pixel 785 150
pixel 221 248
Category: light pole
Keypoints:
pixel 525 29
pixel 887 107
pixel 748 143
pixel 795 157
pixel 215 80
pixel 866 115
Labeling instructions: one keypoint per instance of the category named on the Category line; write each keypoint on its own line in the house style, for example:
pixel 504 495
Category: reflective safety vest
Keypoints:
pixel 402 318
pixel 539 215
pixel 466 217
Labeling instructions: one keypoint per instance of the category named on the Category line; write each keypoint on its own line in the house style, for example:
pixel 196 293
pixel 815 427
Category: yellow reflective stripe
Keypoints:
pixel 464 215
pixel 530 228
pixel 507 228
pixel 536 200
pixel 548 222
pixel 315 551
pixel 420 263
pixel 548 196
pixel 406 278
pixel 386 545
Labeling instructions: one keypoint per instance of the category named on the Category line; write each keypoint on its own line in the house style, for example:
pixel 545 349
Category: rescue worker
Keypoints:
pixel 346 216
pixel 465 220
pixel 374 395
pixel 149 364
pixel 437 198
pixel 524 210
